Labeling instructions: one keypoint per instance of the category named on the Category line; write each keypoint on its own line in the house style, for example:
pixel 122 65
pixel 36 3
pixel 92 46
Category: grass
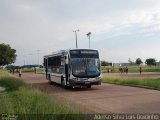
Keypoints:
pixel 38 70
pixel 29 102
pixel 142 82
pixel 10 82
pixel 132 69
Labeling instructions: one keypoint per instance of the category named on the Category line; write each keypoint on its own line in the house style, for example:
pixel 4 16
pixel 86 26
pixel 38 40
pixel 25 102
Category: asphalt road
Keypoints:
pixel 106 98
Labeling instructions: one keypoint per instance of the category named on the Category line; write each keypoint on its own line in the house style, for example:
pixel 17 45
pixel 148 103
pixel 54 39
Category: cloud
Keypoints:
pixel 47 25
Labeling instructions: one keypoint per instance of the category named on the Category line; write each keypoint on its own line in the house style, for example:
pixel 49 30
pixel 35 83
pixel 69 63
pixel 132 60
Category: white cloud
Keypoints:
pixel 48 25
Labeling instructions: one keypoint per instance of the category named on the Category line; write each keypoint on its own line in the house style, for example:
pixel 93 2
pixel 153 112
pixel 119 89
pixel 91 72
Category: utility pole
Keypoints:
pixel 75 31
pixel 88 35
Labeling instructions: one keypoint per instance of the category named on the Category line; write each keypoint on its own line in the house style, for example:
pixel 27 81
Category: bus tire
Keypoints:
pixel 63 83
pixel 88 86
pixel 49 79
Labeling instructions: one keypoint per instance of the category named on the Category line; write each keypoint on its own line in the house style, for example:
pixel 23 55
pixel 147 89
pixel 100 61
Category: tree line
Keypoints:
pixel 8 56
pixel 149 62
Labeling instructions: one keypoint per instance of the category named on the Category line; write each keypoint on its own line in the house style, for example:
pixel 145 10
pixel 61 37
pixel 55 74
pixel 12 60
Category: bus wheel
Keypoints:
pixel 88 86
pixel 49 79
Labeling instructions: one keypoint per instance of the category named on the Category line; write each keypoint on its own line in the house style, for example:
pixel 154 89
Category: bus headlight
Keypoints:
pixel 98 78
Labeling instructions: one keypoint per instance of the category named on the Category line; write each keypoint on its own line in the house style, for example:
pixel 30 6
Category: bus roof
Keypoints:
pixel 62 52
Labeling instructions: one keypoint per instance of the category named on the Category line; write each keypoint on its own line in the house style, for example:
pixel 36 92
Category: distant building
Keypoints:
pixel 116 64
pixel 158 63
pixel 124 64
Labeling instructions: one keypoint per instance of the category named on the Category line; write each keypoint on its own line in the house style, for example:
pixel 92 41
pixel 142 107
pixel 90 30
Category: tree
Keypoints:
pixel 105 63
pixel 138 61
pixel 150 61
pixel 7 54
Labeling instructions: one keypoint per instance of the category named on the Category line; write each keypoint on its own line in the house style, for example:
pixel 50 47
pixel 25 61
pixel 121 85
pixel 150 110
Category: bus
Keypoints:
pixel 73 68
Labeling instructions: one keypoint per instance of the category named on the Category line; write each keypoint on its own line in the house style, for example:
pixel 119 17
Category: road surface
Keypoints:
pixel 106 98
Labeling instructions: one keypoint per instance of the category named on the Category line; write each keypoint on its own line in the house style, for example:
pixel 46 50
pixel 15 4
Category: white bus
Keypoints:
pixel 74 67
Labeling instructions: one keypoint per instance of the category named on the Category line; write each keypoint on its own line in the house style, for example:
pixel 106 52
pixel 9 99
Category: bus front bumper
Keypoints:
pixel 85 82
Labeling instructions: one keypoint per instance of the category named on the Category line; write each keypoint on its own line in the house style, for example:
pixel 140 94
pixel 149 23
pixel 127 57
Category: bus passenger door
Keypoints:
pixel 46 66
pixel 66 72
pixel 66 68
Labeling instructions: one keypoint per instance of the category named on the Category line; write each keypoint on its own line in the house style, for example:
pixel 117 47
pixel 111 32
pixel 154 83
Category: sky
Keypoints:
pixel 120 29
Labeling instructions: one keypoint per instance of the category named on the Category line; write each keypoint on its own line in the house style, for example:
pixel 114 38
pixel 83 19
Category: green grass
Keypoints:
pixel 38 70
pixel 132 69
pixel 10 82
pixel 23 99
pixel 143 82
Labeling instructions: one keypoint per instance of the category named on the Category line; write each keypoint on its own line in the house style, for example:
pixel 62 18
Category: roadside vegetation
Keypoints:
pixel 38 70
pixel 29 102
pixel 140 82
pixel 131 69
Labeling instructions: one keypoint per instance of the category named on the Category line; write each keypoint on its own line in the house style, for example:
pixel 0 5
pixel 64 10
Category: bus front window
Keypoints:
pixel 85 67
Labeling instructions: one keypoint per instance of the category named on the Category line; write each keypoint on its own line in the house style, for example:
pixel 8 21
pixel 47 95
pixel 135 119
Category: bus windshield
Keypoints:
pixel 85 64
